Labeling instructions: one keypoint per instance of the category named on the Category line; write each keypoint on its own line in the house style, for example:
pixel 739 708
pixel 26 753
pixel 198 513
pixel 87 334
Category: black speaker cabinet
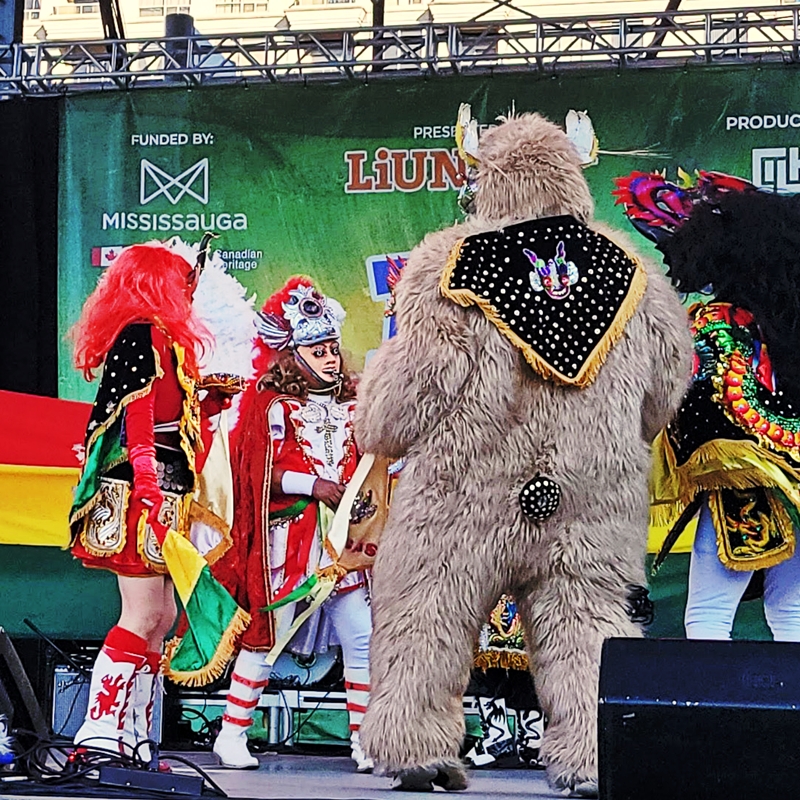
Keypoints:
pixel 699 720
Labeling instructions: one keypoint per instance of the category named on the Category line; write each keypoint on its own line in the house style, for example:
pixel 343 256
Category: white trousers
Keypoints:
pixel 715 591
pixel 351 617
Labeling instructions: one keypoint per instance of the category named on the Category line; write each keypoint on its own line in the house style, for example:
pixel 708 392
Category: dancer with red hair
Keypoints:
pixel 143 432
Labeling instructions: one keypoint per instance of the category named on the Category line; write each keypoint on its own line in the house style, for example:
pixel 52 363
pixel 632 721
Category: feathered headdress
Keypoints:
pixel 657 207
pixel 299 315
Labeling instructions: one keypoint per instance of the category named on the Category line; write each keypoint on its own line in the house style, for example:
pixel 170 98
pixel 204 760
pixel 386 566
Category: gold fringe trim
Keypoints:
pixel 101 553
pixel 596 359
pixel 199 513
pixel 216 666
pixel 737 564
pixel 719 464
pixel 503 659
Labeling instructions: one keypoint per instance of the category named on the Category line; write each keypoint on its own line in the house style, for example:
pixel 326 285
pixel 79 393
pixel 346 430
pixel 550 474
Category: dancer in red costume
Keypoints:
pixel 294 453
pixel 139 327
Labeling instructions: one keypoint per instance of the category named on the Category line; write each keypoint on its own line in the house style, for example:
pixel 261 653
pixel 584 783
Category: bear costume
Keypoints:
pixel 535 361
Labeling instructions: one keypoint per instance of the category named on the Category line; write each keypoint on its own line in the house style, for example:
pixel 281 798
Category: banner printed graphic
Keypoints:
pixel 330 180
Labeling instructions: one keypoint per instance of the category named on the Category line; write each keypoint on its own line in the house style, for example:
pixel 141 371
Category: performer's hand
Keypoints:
pixel 146 491
pixel 328 492
pixel 216 400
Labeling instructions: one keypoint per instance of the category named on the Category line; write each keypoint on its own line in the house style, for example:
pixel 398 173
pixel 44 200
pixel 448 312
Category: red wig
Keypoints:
pixel 145 283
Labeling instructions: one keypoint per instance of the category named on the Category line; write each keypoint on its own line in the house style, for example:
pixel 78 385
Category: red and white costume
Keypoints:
pixel 280 536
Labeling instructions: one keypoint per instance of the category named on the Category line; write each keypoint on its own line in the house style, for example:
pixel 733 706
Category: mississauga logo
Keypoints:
pixel 190 185
pixel 154 182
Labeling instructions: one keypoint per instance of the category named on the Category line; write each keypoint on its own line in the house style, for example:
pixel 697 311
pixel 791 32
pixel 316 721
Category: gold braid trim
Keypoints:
pixel 718 464
pixel 266 566
pixel 93 551
pixel 159 567
pixel 179 525
pixel 143 392
pixel 191 441
pixel 596 359
pixel 121 514
pixel 216 666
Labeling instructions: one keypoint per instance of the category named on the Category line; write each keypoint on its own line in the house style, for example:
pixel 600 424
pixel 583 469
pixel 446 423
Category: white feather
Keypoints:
pixel 221 303
pixel 580 131
pixel 467 135
pixel 338 310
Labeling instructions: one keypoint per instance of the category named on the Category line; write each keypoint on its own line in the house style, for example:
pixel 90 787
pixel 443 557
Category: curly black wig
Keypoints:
pixel 747 246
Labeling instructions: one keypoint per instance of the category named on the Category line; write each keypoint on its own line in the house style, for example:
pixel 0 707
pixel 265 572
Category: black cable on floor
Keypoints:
pixel 59 763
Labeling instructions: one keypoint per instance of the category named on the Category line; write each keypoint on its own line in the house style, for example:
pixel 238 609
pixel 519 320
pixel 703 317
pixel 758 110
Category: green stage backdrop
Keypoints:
pixel 329 179
pixel 319 179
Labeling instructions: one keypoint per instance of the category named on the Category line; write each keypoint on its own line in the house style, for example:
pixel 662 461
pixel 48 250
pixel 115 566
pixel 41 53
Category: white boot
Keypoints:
pixel 496 748
pixel 530 732
pixel 147 685
pixel 250 676
pixel 356 687
pixel 107 724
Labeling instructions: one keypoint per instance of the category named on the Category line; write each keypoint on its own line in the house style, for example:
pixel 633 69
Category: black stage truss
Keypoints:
pixel 480 46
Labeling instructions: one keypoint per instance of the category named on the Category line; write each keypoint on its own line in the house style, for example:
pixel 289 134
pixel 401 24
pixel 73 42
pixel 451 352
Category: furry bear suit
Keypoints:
pixel 454 396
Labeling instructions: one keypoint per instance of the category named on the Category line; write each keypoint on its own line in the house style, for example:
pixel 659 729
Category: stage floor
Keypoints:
pixel 312 777
pixel 333 778
pixel 305 777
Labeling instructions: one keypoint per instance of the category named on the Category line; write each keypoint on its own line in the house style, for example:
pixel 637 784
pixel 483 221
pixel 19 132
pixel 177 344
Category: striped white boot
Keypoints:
pixel 356 687
pixel 250 676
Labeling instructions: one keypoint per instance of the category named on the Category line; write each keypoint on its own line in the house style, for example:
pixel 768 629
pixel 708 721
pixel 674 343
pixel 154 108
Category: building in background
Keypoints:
pixel 79 20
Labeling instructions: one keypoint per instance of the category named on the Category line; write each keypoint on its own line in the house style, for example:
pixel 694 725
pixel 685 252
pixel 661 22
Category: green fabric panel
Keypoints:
pixel 209 612
pixel 277 155
pixel 323 726
pixel 106 450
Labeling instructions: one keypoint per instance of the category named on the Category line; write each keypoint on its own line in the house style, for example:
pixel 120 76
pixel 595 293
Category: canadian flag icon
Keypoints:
pixel 103 256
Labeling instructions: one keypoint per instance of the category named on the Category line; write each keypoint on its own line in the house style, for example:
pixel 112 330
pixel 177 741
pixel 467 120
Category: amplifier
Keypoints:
pixel 699 720
pixel 71 699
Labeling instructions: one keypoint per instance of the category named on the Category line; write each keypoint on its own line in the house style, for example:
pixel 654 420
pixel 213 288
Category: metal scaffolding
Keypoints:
pixel 757 35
